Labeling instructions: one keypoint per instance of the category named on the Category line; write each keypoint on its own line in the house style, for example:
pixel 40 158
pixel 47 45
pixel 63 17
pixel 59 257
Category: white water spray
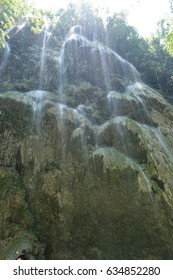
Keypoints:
pixel 5 57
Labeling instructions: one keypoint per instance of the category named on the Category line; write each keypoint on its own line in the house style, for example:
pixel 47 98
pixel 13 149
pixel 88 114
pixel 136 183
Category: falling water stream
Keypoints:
pixel 39 95
pixel 5 57
pixel 46 36
pixel 76 36
pixel 107 58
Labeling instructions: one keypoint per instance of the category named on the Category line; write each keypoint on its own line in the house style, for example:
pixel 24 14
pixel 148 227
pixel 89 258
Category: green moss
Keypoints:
pixel 7 177
pixel 84 93
pixel 113 159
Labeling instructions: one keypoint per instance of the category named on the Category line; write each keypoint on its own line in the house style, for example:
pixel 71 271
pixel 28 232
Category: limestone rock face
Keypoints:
pixel 86 170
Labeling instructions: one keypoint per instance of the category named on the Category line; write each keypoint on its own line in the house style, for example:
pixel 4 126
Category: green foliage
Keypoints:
pixel 83 15
pixel 149 56
pixel 165 32
pixel 169 42
pixel 10 12
pixel 124 39
pixel 15 12
pixel 36 20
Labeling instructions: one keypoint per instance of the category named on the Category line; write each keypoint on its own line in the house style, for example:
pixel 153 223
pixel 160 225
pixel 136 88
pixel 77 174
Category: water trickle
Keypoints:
pixel 71 121
pixel 46 36
pixel 112 133
pixel 78 33
pixel 61 71
pixel 165 146
pixel 60 117
pixel 109 68
pixel 132 103
pixel 77 29
pixel 5 57
pixel 113 63
pixel 73 35
pixel 136 92
pixel 114 159
pixel 38 97
pixel 16 28
pixel 156 135
pixel 144 181
pixel 105 67
pixel 86 111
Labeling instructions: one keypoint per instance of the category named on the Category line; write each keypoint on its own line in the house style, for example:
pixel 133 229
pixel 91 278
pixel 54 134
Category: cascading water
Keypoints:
pixel 80 48
pixel 93 153
pixel 124 68
pixel 61 66
pixel 105 68
pixel 109 66
pixel 109 63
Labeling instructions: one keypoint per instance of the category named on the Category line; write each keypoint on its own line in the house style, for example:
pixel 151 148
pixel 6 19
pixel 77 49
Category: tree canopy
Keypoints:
pixel 16 12
pixel 10 12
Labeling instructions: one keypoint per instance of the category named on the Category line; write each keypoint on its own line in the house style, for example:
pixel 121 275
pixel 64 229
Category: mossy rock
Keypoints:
pixel 125 135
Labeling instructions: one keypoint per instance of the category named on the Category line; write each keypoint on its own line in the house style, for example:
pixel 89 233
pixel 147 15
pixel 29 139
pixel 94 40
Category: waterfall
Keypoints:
pixel 88 150
pixel 76 50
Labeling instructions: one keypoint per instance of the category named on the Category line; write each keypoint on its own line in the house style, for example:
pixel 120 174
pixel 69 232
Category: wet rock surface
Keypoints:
pixel 86 170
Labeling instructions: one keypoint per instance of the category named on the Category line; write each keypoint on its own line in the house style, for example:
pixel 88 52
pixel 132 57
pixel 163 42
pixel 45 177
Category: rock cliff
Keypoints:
pixel 86 158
